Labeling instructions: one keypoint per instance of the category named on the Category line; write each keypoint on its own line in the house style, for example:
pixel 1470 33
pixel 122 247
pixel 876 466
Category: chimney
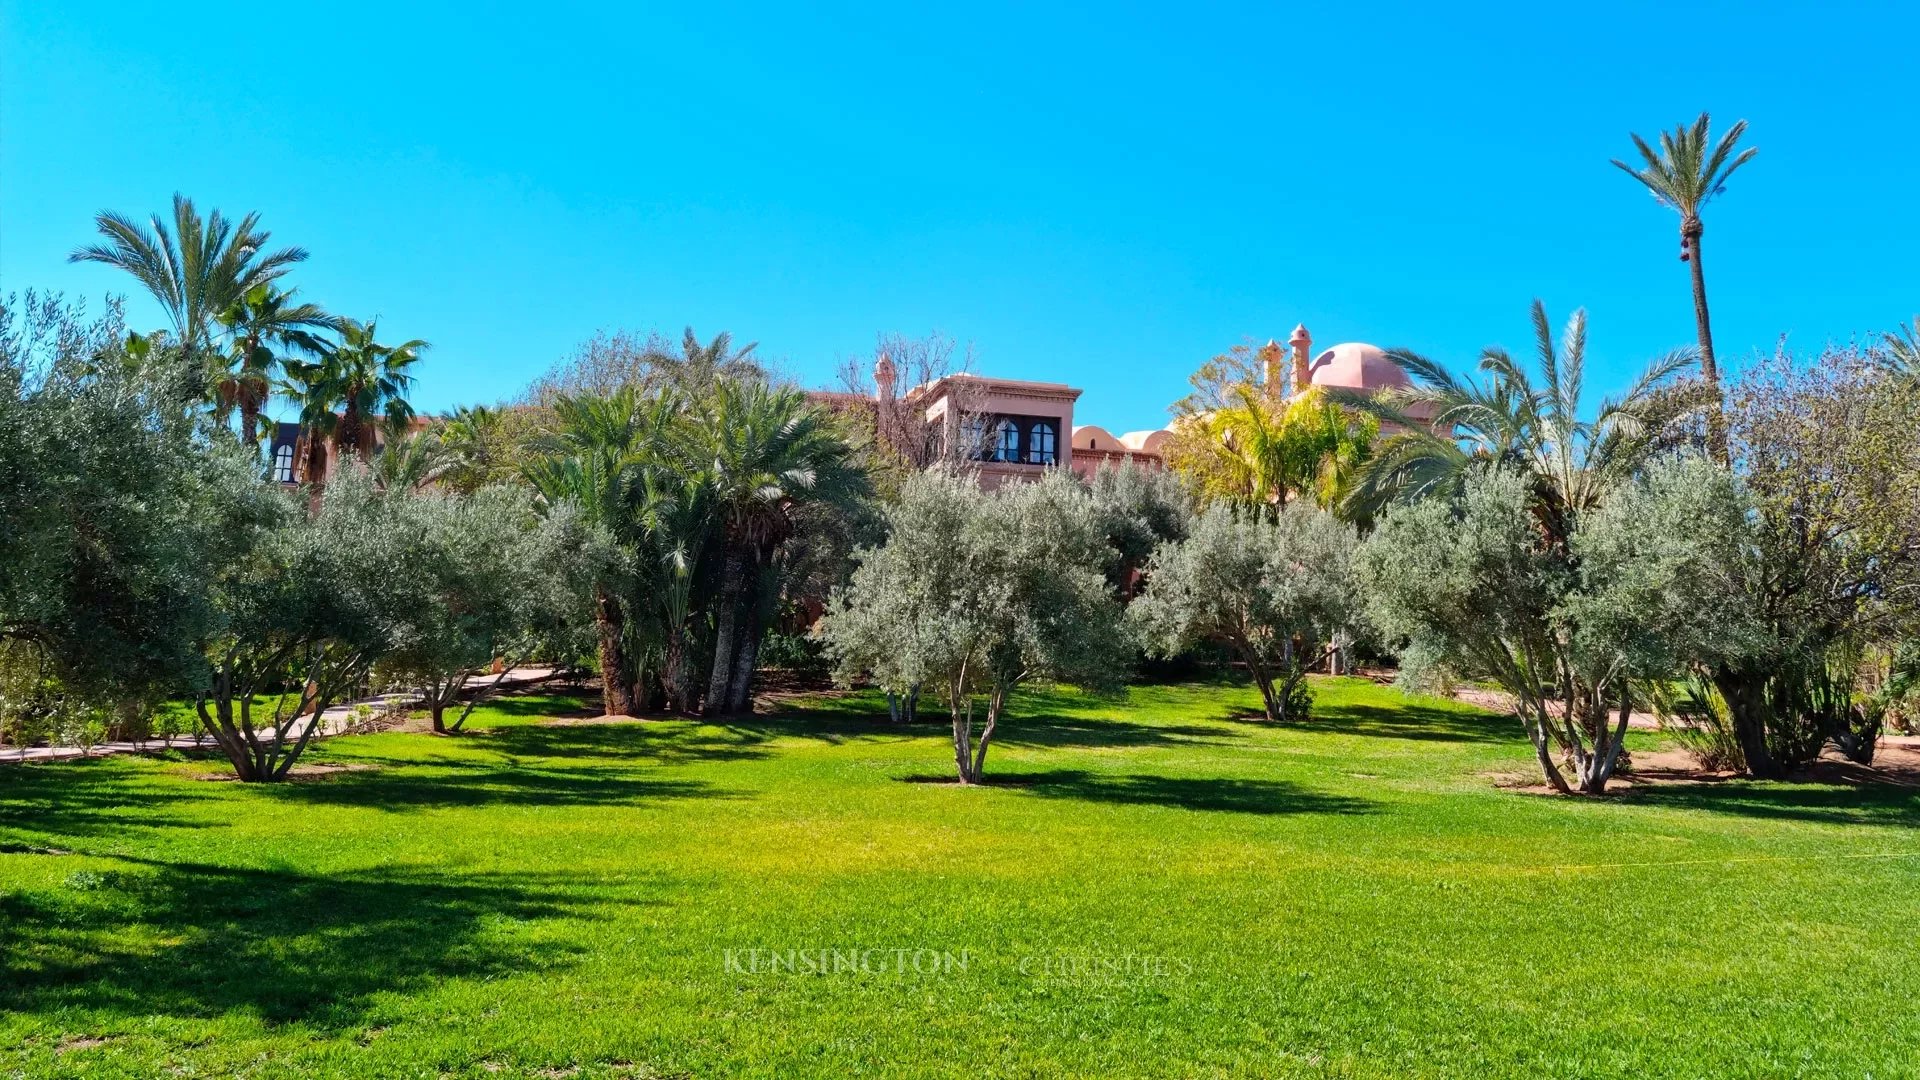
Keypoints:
pixel 1270 370
pixel 883 380
pixel 1302 342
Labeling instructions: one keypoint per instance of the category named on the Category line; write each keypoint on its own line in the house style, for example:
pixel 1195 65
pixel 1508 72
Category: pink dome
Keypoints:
pixel 1356 366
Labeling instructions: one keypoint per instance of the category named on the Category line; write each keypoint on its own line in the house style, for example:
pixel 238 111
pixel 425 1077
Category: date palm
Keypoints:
pixel 765 451
pixel 1688 170
pixel 1513 421
pixel 1902 350
pixel 196 269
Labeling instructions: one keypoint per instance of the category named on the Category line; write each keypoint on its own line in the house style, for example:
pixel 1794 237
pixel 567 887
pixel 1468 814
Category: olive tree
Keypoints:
pixel 1826 454
pixel 497 578
pixel 1139 508
pixel 118 502
pixel 977 593
pixel 1639 591
pixel 302 615
pixel 1275 590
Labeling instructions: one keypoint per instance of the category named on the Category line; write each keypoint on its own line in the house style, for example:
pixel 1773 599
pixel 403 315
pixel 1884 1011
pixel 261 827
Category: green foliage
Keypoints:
pixel 355 386
pixel 1347 897
pixel 1277 591
pixel 116 507
pixel 199 269
pixel 1827 457
pixel 1449 429
pixel 975 593
pixel 313 601
pixel 1239 438
pixel 1139 509
pixel 1639 591
pixel 498 581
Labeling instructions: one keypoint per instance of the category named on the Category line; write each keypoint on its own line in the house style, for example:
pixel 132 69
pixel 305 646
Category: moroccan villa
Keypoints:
pixel 1013 428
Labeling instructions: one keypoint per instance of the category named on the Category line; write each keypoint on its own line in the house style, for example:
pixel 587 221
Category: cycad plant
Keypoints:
pixel 1451 427
pixel 1686 173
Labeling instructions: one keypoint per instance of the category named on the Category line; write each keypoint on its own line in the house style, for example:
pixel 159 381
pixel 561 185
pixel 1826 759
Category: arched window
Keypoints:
pixel 973 439
pixel 1040 443
pixel 1006 441
pixel 283 464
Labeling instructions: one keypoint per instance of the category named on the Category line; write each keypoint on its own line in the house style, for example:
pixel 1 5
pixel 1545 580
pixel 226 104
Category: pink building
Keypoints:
pixel 1013 428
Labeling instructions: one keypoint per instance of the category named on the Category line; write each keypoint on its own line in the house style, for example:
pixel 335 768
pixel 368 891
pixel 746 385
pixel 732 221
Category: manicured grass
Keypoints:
pixel 1349 897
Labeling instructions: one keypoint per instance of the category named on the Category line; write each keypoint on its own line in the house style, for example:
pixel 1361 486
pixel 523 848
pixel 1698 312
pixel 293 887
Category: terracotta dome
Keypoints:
pixel 1356 366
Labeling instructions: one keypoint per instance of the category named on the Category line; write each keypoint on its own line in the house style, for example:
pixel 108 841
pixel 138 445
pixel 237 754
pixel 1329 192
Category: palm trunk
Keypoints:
pixel 1691 231
pixel 615 696
pixel 1744 692
pixel 740 691
pixel 250 423
pixel 726 623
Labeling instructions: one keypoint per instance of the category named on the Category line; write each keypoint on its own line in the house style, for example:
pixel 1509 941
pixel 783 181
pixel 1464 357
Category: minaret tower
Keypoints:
pixel 1302 343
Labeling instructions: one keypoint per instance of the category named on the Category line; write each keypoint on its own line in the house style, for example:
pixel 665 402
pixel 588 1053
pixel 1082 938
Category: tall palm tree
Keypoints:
pixel 1512 421
pixel 196 270
pixel 1684 175
pixel 367 382
pixel 764 451
pixel 263 327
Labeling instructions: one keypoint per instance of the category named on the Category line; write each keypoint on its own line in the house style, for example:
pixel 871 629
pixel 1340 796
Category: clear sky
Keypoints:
pixel 1102 195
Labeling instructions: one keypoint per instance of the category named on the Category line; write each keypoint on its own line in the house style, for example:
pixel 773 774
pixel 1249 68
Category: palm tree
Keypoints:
pixel 1513 422
pixel 474 436
pixel 620 458
pixel 197 269
pixel 1684 175
pixel 698 367
pixel 263 320
pixel 1902 347
pixel 765 451
pixel 411 462
pixel 367 382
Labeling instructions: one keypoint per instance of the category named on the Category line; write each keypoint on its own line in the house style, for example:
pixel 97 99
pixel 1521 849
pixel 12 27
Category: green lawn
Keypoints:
pixel 1159 889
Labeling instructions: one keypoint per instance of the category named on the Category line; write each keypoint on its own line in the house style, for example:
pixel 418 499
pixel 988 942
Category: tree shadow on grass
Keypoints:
pixel 1837 805
pixel 669 741
pixel 1218 794
pixel 837 719
pixel 90 797
pixel 416 785
pixel 198 940
pixel 1412 720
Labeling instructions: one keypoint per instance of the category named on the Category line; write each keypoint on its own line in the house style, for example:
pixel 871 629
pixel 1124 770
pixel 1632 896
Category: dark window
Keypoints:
pixel 1006 441
pixel 283 464
pixel 1040 442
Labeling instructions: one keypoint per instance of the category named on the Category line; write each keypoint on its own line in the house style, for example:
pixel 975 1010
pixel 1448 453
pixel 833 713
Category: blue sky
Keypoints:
pixel 1102 195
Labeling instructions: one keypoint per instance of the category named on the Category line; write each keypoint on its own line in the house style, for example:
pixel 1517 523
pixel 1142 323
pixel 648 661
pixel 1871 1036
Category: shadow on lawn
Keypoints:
pixel 86 798
pixel 436 783
pixel 1844 805
pixel 852 718
pixel 1412 720
pixel 195 940
pixel 1221 794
